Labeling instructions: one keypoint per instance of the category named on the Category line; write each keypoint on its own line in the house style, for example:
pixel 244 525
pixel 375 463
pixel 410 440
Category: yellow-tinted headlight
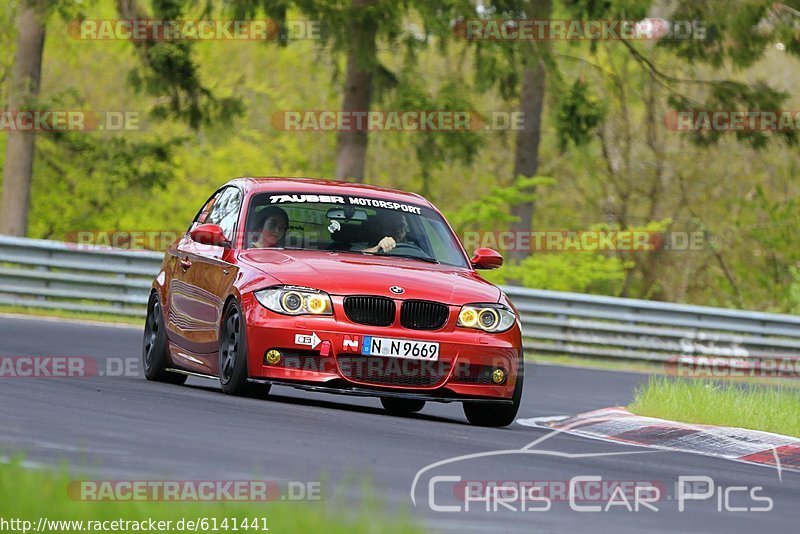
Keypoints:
pixel 489 317
pixel 317 304
pixel 295 300
pixel 468 317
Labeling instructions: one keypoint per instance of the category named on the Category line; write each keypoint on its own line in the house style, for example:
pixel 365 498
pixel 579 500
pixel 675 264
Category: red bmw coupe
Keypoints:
pixel 334 287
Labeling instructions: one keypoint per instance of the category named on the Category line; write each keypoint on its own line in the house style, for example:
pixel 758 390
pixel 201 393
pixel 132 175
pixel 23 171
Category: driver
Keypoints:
pixel 395 230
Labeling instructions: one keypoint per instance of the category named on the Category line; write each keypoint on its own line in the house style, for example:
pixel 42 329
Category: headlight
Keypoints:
pixel 294 300
pixel 486 317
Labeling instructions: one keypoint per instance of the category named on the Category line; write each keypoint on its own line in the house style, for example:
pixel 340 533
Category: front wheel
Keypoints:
pixel 155 354
pixel 397 406
pixel 496 415
pixel 233 356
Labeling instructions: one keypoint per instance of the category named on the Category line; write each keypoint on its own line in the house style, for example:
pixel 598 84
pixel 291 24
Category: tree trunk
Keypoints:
pixel 18 168
pixel 531 103
pixel 352 146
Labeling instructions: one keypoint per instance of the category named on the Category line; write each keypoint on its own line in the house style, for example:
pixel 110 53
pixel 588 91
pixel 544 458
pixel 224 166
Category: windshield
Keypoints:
pixel 350 224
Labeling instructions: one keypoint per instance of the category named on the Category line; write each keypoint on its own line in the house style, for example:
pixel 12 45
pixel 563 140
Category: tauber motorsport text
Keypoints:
pixel 333 199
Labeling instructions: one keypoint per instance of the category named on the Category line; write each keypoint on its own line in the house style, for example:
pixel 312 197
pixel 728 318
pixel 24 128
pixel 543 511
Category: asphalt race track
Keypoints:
pixel 128 428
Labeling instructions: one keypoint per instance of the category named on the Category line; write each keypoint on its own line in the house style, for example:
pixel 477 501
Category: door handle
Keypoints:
pixel 186 263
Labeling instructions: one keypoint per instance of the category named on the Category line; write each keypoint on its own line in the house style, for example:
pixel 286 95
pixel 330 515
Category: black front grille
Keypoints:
pixel 423 315
pixel 384 371
pixel 375 311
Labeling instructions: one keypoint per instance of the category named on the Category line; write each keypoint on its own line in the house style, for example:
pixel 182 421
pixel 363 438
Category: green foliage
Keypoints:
pixel 608 9
pixel 499 63
pixel 581 272
pixel 711 403
pixel 739 35
pixel 492 211
pixel 436 149
pixel 579 113
pixel 588 272
pixel 794 290
pixel 730 95
pixel 84 179
pixel 8 36
pixel 169 71
pixel 26 494
pixel 769 223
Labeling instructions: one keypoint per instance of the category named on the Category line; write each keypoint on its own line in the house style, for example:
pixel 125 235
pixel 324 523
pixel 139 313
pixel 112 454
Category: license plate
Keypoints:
pixel 400 348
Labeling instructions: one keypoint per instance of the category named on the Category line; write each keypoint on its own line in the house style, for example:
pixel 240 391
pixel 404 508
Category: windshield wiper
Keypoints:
pixel 429 260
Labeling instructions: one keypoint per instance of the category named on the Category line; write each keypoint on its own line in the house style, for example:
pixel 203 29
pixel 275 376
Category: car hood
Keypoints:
pixel 362 274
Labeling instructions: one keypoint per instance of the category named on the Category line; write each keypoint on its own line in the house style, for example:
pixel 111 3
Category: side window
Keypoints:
pixel 203 215
pixel 225 210
pixel 442 242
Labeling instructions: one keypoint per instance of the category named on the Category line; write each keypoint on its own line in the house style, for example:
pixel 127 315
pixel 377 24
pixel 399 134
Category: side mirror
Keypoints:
pixel 486 258
pixel 210 234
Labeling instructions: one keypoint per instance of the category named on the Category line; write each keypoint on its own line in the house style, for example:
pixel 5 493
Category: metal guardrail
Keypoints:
pixel 609 327
pixel 50 274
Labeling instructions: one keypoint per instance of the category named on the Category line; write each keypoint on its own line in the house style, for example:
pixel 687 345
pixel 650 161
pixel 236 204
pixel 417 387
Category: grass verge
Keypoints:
pixel 76 315
pixel 28 495
pixel 756 407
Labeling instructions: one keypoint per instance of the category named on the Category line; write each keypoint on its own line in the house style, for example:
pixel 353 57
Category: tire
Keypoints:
pixel 397 406
pixel 233 356
pixel 497 415
pixel 155 353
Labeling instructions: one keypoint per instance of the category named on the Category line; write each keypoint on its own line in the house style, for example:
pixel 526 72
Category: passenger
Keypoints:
pixel 272 231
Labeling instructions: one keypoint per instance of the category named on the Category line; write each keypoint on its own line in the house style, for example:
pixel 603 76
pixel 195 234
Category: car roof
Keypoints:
pixel 258 184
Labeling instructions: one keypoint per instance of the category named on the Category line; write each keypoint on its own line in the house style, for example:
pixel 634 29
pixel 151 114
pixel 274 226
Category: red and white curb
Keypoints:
pixel 621 426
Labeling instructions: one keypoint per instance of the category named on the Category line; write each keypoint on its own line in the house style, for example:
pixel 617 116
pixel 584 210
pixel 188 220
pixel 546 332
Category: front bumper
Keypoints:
pixel 324 353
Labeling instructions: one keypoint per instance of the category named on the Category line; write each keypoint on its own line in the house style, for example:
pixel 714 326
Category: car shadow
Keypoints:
pixel 330 404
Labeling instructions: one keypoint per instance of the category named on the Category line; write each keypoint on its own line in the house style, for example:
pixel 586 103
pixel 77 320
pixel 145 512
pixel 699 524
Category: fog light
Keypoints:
pixel 498 376
pixel 273 356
